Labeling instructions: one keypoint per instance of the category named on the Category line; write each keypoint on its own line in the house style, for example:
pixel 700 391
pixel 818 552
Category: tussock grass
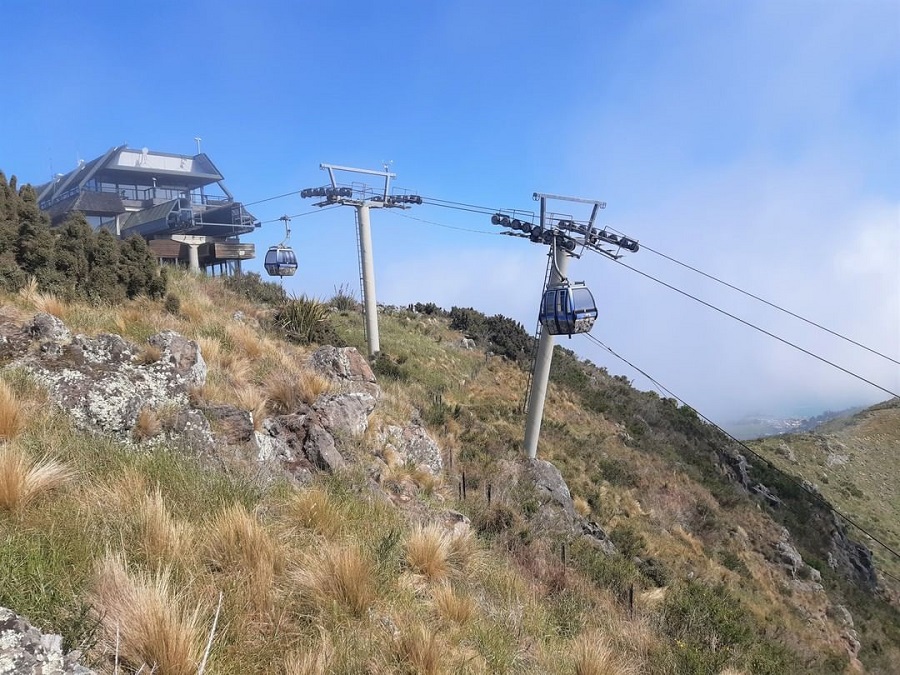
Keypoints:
pixel 246 341
pixel 120 493
pixel 288 390
pixel 147 425
pixel 12 413
pixel 452 606
pixel 338 574
pixel 419 651
pixel 581 506
pixel 428 550
pixel 148 354
pixel 252 400
pixel 435 553
pixel 239 545
pixel 592 655
pixel 145 620
pixel 313 662
pixel 163 538
pixel 314 509
pixel 23 479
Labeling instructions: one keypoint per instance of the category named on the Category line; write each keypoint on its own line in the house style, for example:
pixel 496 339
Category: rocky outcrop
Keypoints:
pixel 346 368
pixel 183 356
pixel 556 510
pixel 413 445
pixel 737 468
pixel 105 382
pixel 345 414
pixel 850 557
pixel 786 555
pixel 24 650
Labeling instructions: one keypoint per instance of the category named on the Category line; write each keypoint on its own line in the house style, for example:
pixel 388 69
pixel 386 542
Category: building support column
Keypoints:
pixel 193 258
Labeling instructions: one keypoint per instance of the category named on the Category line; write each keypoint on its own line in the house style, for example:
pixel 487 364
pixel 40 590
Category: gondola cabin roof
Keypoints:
pixel 281 261
pixel 567 309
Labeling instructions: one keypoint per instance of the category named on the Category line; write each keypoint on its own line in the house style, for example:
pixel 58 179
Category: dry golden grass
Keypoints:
pixel 313 509
pixel 49 303
pixel 22 479
pixel 122 494
pixel 12 413
pixel 238 544
pixel 653 598
pixel 581 506
pixel 163 539
pixel 246 340
pixel 419 650
pixel 452 606
pixel 145 620
pixel 461 549
pixel 339 575
pixel 252 400
pixel 428 550
pixel 288 390
pixel 313 662
pixel 147 425
pixel 435 553
pixel 211 349
pixel 148 354
pixel 591 655
pixel 235 368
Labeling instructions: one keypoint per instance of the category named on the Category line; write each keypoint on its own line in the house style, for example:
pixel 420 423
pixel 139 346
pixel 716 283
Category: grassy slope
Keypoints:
pixel 706 596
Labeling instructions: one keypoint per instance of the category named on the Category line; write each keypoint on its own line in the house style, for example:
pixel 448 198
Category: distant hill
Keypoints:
pixel 761 426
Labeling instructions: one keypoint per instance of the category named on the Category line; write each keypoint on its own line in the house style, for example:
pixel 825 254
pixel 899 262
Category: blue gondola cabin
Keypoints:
pixel 281 261
pixel 567 309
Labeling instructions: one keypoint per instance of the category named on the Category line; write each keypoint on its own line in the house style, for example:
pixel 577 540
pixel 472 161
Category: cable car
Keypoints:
pixel 567 309
pixel 281 261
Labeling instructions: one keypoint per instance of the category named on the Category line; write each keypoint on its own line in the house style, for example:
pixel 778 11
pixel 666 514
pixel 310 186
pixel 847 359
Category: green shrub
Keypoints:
pixel 613 572
pixel 302 319
pixel 629 541
pixel 343 299
pixel 389 367
pixel 172 304
pixel 252 286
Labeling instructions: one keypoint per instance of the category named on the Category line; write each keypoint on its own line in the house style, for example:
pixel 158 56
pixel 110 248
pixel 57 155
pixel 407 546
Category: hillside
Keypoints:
pixel 850 461
pixel 220 467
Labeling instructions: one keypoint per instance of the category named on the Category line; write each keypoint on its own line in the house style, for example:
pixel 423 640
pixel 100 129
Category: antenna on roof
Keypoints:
pixel 198 139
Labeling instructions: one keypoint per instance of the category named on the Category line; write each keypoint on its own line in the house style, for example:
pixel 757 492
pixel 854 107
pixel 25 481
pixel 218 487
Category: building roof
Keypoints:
pixel 101 203
pixel 129 166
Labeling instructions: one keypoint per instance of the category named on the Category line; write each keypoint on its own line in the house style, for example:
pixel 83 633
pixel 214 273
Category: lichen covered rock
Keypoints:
pixel 24 650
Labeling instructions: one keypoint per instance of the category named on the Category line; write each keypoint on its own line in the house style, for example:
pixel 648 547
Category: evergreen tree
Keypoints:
pixel 103 280
pixel 35 244
pixel 8 219
pixel 74 243
pixel 138 270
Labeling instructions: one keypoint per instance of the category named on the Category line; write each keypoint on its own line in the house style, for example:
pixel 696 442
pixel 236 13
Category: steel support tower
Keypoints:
pixel 363 198
pixel 567 238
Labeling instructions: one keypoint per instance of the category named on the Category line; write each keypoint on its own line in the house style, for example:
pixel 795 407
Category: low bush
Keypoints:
pixel 253 287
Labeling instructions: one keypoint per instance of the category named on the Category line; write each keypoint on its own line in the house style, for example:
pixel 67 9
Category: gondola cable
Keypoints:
pixel 769 303
pixel 472 208
pixel 758 328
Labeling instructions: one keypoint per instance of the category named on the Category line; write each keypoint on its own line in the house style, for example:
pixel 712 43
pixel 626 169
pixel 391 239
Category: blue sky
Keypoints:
pixel 759 141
